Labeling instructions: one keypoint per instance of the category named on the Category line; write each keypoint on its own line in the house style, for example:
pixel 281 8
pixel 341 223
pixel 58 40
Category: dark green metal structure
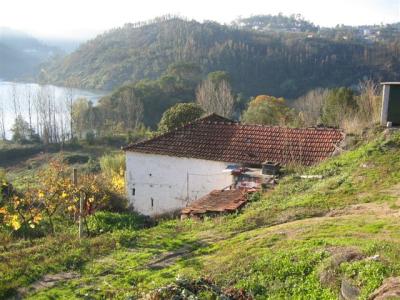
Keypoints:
pixel 394 104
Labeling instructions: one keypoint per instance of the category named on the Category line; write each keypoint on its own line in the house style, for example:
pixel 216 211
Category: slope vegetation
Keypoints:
pixel 304 239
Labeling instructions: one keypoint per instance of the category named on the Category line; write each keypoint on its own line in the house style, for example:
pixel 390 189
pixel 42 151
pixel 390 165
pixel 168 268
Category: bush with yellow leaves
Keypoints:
pixel 53 194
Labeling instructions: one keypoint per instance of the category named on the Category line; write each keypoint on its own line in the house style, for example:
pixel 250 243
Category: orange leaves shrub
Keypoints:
pixel 53 194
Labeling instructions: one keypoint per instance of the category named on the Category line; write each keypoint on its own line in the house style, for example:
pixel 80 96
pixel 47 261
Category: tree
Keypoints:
pixel 369 102
pixel 216 96
pixel 179 115
pixel 130 109
pixel 69 104
pixel 21 130
pixel 339 104
pixel 218 76
pixel 185 73
pixel 268 110
pixel 310 106
pixel 47 114
pixel 80 110
pixel 28 96
pixel 15 100
pixel 2 122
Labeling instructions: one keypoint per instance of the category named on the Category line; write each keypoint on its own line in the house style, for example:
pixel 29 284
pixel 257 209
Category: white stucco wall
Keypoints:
pixel 165 180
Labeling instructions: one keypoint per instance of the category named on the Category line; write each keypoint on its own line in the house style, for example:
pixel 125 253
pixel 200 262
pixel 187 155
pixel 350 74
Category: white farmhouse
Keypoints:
pixel 166 173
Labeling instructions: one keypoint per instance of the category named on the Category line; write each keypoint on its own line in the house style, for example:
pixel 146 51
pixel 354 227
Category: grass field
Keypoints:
pixel 285 245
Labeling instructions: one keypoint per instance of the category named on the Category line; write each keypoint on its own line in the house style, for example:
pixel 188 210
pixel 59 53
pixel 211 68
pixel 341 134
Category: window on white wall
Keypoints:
pixel 152 202
pixel 133 192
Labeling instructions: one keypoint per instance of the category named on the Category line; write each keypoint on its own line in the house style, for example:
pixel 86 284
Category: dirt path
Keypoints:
pixel 169 258
pixel 46 282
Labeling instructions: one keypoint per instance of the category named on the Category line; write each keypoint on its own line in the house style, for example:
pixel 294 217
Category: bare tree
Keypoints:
pixel 216 97
pixel 28 97
pixel 310 106
pixel 367 111
pixel 63 115
pixel 369 102
pixel 69 99
pixel 45 106
pixel 130 109
pixel 15 100
pixel 2 123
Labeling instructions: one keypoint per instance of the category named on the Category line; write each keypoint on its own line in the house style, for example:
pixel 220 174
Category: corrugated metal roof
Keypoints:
pixel 217 201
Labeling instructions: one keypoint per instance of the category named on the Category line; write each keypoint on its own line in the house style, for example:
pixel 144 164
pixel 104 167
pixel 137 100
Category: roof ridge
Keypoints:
pixel 201 120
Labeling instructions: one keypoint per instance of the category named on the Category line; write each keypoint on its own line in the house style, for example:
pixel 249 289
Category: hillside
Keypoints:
pixel 21 54
pixel 13 62
pixel 277 62
pixel 304 239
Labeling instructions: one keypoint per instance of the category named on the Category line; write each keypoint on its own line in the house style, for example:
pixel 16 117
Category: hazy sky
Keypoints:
pixel 85 18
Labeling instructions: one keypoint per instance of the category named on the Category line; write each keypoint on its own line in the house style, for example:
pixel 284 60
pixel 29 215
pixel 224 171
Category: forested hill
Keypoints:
pixel 282 63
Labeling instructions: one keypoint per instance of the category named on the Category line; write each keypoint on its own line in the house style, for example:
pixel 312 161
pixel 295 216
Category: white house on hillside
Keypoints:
pixel 166 173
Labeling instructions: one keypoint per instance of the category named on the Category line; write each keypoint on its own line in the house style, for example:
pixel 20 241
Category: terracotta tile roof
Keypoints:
pixel 217 201
pixel 219 139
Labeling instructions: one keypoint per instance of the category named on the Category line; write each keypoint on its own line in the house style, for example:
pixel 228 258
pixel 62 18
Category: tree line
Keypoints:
pixel 38 115
pixel 131 112
pixel 138 111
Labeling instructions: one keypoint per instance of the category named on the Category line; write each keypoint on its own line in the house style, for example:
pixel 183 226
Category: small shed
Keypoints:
pixel 390 103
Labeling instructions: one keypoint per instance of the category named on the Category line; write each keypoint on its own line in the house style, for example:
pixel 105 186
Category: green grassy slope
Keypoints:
pixel 285 245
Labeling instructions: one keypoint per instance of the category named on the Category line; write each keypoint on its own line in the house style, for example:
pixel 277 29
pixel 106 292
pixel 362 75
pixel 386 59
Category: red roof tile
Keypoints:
pixel 219 139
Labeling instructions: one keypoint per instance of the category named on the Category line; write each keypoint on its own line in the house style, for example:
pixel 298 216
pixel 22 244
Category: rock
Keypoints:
pixel 390 289
pixel 330 275
pixel 349 291
pixel 341 255
pixel 375 257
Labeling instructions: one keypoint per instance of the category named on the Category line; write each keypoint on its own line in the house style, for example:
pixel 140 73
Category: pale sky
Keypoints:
pixel 86 18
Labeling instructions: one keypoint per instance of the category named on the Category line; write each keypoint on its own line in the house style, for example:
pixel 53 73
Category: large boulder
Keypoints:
pixel 390 289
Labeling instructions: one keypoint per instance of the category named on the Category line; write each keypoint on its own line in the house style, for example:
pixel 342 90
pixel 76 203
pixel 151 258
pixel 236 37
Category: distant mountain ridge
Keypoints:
pixel 21 54
pixel 282 63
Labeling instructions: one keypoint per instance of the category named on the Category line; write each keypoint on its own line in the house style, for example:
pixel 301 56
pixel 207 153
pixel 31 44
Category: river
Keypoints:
pixel 15 98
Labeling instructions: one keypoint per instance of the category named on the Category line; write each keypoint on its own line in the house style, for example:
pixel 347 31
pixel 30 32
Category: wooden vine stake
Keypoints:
pixel 75 180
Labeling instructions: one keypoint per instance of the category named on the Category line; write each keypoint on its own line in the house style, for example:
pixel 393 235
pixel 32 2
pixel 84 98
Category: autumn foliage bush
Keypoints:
pixel 54 196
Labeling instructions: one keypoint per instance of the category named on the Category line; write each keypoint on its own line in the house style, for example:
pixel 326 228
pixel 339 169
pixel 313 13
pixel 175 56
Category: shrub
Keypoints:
pixel 76 159
pixel 93 165
pixel 112 140
pixel 18 152
pixel 139 134
pixel 102 221
pixel 112 164
pixel 90 138
pixel 113 169
pixel 340 102
pixel 30 212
